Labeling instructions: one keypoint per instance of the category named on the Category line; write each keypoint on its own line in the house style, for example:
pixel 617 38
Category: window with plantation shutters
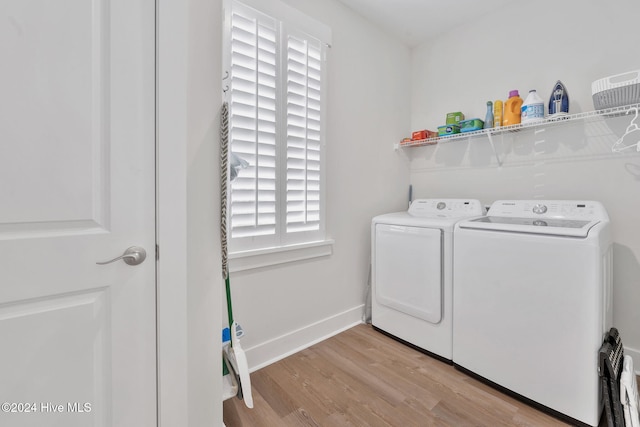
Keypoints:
pixel 275 94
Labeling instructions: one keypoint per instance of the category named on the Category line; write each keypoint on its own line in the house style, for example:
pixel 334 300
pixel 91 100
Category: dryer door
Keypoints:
pixel 408 270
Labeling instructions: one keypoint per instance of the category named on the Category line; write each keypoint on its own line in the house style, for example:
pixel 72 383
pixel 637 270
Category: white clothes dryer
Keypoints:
pixel 533 300
pixel 412 272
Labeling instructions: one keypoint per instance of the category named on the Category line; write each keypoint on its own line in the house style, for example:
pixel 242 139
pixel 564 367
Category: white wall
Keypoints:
pixel 204 271
pixel 529 46
pixel 524 46
pixel 284 307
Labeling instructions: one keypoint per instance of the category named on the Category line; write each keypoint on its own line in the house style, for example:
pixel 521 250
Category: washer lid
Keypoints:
pixel 548 226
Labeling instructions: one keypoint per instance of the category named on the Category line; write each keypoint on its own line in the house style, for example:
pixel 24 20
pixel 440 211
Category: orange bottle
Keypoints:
pixel 512 109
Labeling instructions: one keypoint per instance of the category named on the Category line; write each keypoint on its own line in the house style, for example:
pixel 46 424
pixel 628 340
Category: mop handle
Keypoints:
pixel 229 310
pixel 224 176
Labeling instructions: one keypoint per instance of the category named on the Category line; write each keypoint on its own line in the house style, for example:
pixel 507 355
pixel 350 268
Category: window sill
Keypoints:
pixel 248 260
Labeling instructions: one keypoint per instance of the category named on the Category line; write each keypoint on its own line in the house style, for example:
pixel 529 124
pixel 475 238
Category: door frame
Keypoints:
pixel 171 215
pixel 174 75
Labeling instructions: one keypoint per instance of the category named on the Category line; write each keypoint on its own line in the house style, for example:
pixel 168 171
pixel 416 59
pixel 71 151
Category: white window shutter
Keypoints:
pixel 303 135
pixel 252 118
pixel 275 124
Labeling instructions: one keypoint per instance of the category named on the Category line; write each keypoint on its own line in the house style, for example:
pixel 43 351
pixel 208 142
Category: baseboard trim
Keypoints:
pixel 635 355
pixel 271 351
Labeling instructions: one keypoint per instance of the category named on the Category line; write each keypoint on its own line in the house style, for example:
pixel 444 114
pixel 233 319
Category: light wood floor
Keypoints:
pixel 364 378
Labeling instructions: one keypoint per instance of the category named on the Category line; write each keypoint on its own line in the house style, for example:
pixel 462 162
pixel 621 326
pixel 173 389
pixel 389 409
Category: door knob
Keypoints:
pixel 133 256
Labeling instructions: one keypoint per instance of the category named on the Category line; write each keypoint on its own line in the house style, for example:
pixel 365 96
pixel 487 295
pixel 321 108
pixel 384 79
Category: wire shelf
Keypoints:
pixel 609 112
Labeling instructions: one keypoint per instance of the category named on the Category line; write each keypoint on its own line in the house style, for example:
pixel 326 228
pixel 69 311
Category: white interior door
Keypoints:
pixel 77 186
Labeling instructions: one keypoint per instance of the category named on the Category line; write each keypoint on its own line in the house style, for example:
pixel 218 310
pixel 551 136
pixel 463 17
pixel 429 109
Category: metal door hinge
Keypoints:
pixel 157 252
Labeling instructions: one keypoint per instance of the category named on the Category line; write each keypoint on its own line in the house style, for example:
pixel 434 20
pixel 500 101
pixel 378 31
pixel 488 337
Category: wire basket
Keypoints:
pixel 616 91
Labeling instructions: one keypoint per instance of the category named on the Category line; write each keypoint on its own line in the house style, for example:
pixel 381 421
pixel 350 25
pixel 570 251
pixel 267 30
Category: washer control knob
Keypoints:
pixel 441 205
pixel 539 209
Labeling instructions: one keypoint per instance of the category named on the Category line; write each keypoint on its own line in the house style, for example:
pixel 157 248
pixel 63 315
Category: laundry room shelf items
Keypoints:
pixel 609 112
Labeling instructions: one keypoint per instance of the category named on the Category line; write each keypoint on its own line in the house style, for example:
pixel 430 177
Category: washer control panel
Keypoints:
pixel 539 209
pixel 560 209
pixel 449 208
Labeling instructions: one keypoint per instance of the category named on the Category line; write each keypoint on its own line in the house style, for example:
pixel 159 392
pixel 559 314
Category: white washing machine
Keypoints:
pixel 533 300
pixel 411 272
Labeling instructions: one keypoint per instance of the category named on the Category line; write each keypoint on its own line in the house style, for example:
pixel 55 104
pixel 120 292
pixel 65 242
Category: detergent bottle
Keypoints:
pixel 532 108
pixel 497 113
pixel 512 109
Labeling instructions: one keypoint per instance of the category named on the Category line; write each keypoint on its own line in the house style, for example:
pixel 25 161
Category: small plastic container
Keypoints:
pixel 471 125
pixel 454 118
pixel 448 130
pixel 423 134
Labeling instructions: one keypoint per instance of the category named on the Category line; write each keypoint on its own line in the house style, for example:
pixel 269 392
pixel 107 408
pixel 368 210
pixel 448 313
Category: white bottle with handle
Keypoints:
pixel 532 108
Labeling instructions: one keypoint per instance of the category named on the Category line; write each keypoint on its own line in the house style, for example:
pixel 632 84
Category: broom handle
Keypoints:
pixel 224 176
pixel 229 309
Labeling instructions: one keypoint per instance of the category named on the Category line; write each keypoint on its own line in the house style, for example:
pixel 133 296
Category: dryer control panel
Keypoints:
pixel 450 208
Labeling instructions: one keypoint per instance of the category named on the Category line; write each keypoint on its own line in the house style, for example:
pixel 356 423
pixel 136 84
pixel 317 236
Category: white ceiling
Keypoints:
pixel 414 21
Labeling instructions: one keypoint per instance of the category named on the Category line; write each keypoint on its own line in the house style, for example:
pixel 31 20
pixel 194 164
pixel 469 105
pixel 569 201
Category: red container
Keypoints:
pixel 423 134
pixel 420 134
